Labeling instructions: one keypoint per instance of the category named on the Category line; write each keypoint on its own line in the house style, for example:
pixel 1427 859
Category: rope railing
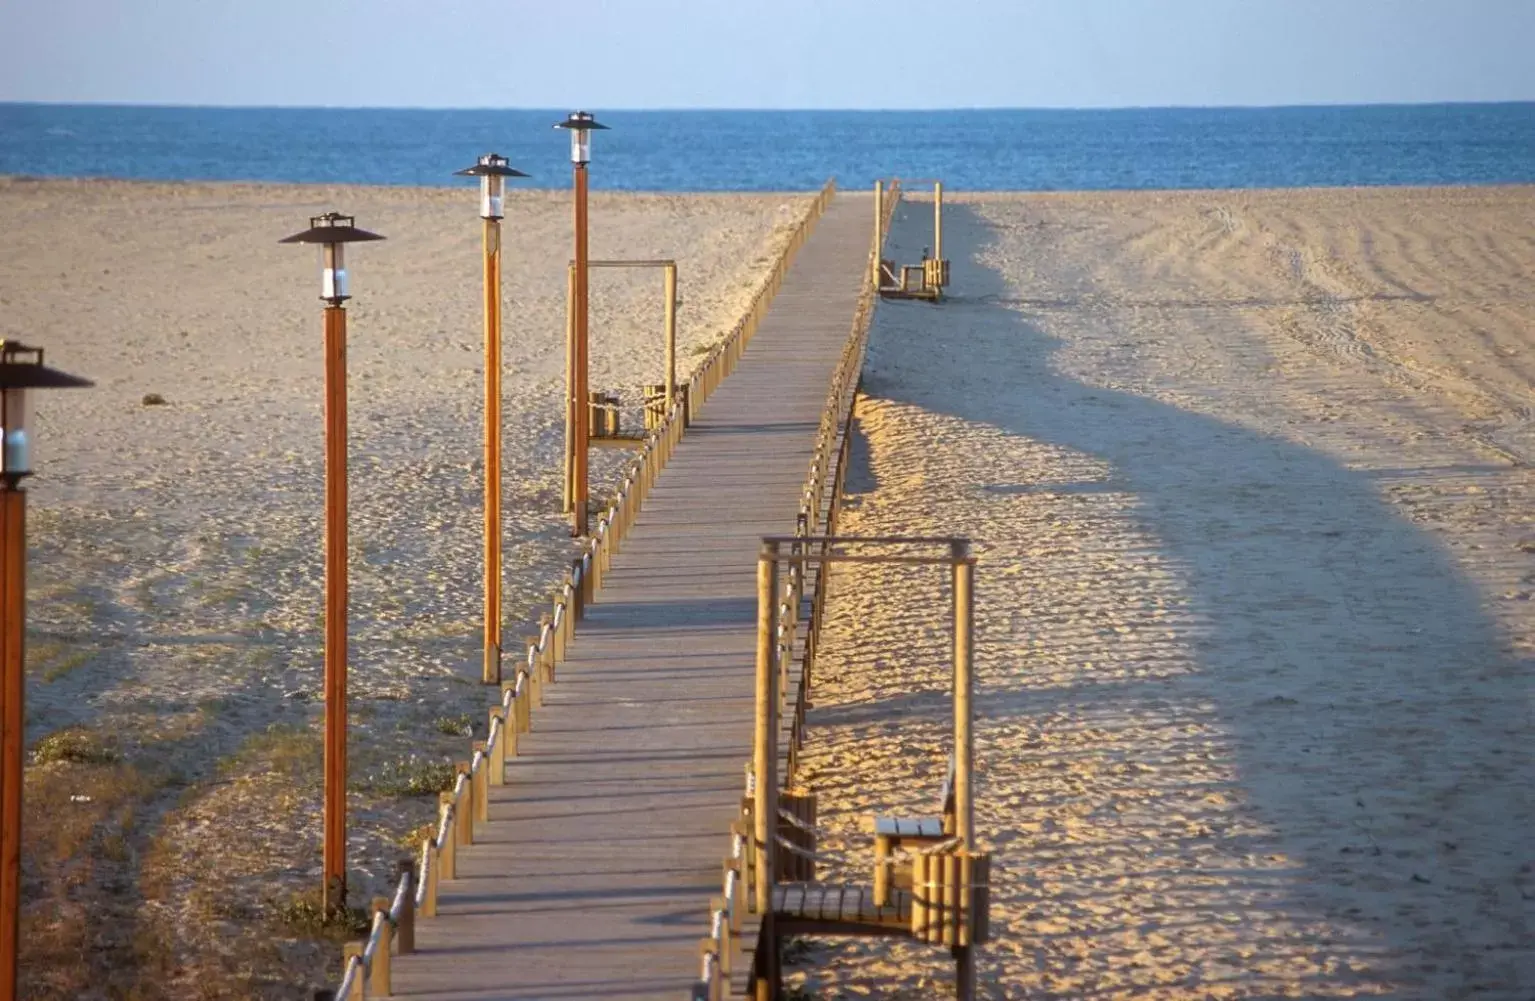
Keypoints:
pixel 817 508
pixel 366 971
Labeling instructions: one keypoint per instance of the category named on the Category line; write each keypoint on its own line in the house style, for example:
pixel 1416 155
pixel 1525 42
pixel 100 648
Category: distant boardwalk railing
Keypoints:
pixel 466 806
pixel 817 508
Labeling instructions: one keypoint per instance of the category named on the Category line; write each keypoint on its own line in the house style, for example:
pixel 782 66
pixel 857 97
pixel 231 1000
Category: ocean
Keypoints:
pixel 790 150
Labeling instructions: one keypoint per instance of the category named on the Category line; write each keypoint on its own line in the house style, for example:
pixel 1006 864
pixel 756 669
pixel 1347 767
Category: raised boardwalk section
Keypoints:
pixel 593 877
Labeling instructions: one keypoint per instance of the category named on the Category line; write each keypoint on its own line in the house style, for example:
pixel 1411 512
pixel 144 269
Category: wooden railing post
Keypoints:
pixel 432 869
pixel 378 969
pixel 405 931
pixel 479 781
pixel 350 951
pixel 447 850
pixel 463 817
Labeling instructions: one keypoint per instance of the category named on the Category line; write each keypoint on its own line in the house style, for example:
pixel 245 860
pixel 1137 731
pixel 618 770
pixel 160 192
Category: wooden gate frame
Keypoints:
pixel 895 281
pixel 669 296
pixel 798 550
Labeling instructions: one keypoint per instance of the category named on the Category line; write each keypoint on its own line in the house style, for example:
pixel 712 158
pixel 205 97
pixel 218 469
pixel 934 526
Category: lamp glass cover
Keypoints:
pixel 17 451
pixel 492 192
pixel 334 285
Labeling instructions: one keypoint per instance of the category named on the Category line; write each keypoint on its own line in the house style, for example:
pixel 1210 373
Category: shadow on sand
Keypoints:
pixel 1370 706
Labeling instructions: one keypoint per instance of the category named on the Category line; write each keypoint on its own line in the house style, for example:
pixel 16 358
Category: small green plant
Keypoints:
pixel 408 776
pixel 76 745
pixel 461 725
pixel 292 750
pixel 304 914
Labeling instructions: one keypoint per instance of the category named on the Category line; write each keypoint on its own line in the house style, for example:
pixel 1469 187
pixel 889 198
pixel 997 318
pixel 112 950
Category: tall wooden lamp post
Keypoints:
pixel 492 170
pixel 21 370
pixel 580 124
pixel 332 232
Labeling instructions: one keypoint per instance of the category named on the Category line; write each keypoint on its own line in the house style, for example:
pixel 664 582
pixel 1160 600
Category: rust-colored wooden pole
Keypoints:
pixel 765 766
pixel 582 410
pixel 335 609
pixel 566 502
pixel 491 673
pixel 13 610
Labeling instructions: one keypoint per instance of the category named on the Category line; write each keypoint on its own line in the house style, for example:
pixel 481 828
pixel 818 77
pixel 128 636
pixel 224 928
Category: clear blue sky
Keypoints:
pixel 766 53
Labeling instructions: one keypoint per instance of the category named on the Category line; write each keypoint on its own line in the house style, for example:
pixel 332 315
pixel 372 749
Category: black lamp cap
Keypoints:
pixel 332 227
pixel 490 165
pixel 33 374
pixel 581 120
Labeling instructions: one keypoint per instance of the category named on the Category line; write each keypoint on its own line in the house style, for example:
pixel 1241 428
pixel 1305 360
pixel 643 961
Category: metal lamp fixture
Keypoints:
pixel 21 371
pixel 581 125
pixel 333 231
pixel 492 169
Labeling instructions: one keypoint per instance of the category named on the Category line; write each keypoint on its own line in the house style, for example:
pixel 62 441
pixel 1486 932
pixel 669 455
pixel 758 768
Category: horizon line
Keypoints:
pixel 764 109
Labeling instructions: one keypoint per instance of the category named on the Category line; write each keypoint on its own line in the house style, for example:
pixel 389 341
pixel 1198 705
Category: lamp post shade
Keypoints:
pixel 21 370
pixel 492 169
pixel 332 231
pixel 581 125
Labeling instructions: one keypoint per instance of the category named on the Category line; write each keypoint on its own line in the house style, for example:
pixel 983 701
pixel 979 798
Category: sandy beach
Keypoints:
pixel 175 646
pixel 1249 477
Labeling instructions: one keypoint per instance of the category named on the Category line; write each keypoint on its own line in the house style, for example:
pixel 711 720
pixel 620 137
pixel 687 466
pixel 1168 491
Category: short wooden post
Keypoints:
pixel 405 931
pixel 881 870
pixel 479 778
pixel 535 683
pixel 588 580
pixel 497 760
pixel 577 591
pixel 464 818
pixel 546 637
pixel 447 851
pixel 717 906
pixel 737 895
pixel 433 873
pixel 378 969
pixel 562 622
pixel 349 951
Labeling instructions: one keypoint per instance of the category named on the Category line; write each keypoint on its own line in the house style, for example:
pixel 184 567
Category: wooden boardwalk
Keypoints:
pixel 593 877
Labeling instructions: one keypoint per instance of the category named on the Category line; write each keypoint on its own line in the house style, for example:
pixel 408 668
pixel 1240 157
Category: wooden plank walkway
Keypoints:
pixel 593 877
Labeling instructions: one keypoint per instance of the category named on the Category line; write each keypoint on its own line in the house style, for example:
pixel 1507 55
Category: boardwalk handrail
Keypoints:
pixel 817 508
pixel 366 972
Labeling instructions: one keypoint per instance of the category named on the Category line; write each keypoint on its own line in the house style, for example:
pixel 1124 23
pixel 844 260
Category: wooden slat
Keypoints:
pixel 593 876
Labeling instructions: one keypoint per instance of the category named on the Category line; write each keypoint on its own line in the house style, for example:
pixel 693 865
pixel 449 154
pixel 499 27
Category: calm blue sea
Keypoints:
pixel 784 150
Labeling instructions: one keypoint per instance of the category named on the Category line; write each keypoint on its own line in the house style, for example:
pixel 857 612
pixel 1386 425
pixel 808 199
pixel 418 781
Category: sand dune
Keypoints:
pixel 1249 476
pixel 176 573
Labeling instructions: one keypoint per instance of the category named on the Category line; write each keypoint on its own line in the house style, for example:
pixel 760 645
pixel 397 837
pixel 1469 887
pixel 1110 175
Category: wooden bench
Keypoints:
pixel 893 834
